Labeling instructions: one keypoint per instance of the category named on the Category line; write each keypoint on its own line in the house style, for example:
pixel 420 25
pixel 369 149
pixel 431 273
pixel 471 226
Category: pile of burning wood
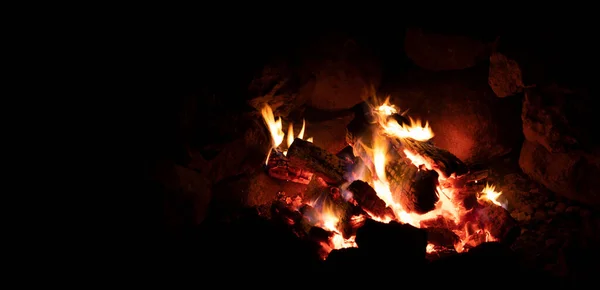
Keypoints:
pixel 391 173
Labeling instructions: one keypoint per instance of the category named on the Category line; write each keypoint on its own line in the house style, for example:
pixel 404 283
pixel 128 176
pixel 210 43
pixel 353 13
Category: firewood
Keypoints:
pixel 278 167
pixel 414 188
pixel 442 237
pixel 304 154
pixel 440 159
pixel 439 222
pixel 422 194
pixel 367 198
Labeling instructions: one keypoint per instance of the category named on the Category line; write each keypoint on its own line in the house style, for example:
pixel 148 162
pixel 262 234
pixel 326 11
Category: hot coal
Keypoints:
pixel 368 199
pixel 442 237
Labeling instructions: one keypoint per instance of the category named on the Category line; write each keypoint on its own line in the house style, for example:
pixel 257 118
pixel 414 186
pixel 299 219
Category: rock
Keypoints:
pixel 585 213
pixel 572 209
pixel 550 204
pixel 187 194
pixel 545 120
pixel 504 76
pixel 572 175
pixel 540 215
pixel 438 52
pixel 534 190
pixel 244 155
pixel 560 207
pixel 551 242
pixel 464 114
pixel 252 190
pixel 330 134
pixel 332 73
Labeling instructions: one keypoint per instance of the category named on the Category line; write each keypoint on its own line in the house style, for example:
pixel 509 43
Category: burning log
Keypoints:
pixel 414 188
pixel 422 194
pixel 304 154
pixel 440 159
pixel 278 167
pixel 442 237
pixel 367 198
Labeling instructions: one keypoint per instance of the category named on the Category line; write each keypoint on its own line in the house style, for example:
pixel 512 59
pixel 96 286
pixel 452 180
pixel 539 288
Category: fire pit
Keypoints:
pixel 390 178
pixel 475 167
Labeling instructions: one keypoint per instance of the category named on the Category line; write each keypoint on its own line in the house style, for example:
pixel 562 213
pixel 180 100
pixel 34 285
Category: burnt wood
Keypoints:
pixel 368 199
pixel 304 154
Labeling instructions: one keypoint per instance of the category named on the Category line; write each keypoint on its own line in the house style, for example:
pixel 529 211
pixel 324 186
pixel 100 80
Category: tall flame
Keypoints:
pixel 275 126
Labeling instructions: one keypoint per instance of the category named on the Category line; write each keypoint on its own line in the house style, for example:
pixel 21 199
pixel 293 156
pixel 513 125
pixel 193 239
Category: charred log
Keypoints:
pixel 368 199
pixel 278 167
pixel 422 194
pixel 440 159
pixel 304 154
pixel 439 222
pixel 442 237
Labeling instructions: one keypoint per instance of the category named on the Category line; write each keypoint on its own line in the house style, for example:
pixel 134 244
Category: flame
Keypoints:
pixel 275 126
pixel 447 206
pixel 391 127
pixel 489 193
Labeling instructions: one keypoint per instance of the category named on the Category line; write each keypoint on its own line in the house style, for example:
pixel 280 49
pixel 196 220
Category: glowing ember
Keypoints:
pixel 449 207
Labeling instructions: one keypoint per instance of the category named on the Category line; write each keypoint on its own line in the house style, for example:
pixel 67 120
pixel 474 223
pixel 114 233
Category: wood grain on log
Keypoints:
pixel 304 154
pixel 368 199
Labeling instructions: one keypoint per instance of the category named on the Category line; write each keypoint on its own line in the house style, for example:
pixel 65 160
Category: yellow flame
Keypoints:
pixel 489 193
pixel 275 126
pixel 301 134
pixel 415 130
pixel 290 135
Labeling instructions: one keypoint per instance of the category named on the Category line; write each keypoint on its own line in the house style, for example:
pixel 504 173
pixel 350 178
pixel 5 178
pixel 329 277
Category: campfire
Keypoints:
pixel 390 174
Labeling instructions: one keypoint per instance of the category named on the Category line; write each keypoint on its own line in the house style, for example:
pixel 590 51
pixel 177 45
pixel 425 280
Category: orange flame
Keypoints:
pixel 391 127
pixel 489 193
pixel 275 127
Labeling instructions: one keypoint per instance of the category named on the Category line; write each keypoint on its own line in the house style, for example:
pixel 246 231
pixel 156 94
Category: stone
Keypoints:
pixel 585 213
pixel 439 52
pixel 329 134
pixel 571 174
pixel 550 204
pixel 252 190
pixel 572 209
pixel 560 207
pixel 551 242
pixel 332 72
pixel 540 215
pixel 464 114
pixel 187 194
pixel 244 155
pixel 504 76
pixel 544 119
